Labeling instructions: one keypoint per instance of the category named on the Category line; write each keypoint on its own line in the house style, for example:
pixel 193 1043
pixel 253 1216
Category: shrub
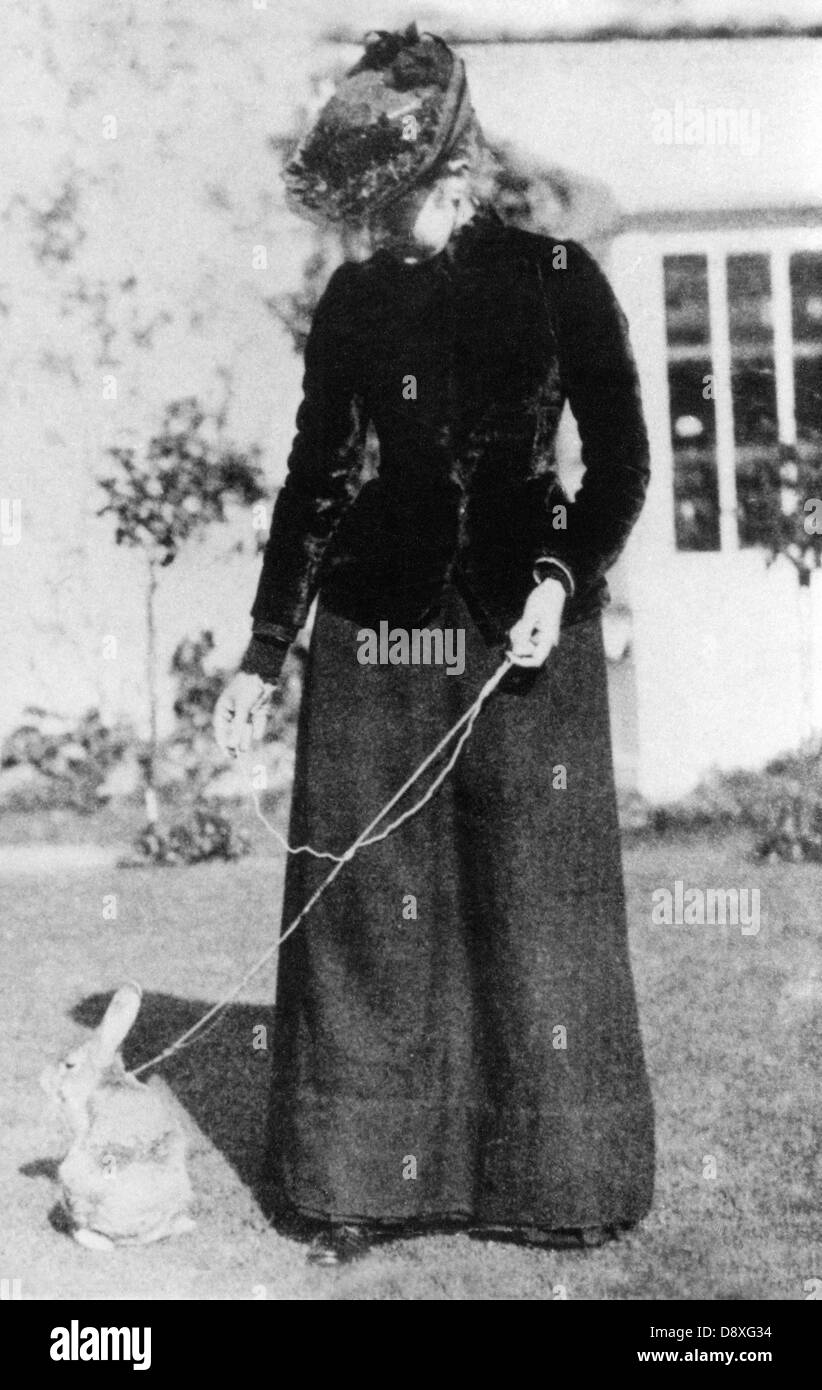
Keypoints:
pixel 192 747
pixel 200 835
pixel 781 802
pixel 75 758
pixel 795 833
pixel 201 832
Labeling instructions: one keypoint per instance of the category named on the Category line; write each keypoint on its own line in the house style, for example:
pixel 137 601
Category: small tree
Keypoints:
pixel 165 495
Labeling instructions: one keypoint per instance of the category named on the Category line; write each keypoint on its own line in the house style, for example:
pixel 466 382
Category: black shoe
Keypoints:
pixel 339 1245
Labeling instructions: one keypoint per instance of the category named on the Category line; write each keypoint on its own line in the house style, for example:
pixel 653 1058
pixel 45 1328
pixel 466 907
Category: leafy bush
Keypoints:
pixel 782 803
pixel 201 835
pixel 201 832
pixel 192 747
pixel 75 758
pixel 792 827
pixel 797 834
pixel 722 800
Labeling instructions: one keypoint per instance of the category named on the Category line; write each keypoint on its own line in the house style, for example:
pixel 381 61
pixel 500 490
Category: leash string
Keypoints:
pixel 366 837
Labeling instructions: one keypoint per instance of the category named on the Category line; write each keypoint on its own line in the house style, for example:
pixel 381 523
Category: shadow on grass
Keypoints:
pixel 221 1080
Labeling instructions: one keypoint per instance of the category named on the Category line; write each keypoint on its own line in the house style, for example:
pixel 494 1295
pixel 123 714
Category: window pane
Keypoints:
pixel 756 435
pixel 686 299
pixel 753 392
pixel 753 389
pixel 806 301
pixel 749 300
pixel 693 437
pixel 806 295
pixel 693 424
pixel 808 391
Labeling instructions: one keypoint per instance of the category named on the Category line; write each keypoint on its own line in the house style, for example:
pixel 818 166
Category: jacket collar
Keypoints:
pixel 474 237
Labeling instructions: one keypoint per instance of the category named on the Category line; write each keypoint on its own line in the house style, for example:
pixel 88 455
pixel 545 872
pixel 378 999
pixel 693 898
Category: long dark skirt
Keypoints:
pixel 456 1032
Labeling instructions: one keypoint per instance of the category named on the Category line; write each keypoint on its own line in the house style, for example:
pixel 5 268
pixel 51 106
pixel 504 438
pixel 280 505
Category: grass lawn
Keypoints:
pixel 728 1022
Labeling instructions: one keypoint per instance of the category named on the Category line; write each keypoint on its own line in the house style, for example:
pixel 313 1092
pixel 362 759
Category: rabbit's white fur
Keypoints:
pixel 124 1178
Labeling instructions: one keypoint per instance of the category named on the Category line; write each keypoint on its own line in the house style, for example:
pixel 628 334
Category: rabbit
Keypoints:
pixel 124 1178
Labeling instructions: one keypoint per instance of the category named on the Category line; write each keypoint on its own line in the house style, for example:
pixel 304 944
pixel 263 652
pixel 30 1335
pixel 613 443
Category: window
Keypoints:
pixel 753 391
pixel 693 421
pixel 806 323
pixel 744 348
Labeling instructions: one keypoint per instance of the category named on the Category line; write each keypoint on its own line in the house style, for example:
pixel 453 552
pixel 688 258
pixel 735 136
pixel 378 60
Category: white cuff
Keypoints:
pixel 552 560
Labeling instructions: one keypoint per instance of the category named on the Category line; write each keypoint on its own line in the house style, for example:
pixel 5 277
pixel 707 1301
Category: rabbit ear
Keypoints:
pixel 118 1019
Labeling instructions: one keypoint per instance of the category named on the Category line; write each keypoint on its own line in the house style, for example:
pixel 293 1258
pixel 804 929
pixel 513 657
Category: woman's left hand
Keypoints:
pixel 534 636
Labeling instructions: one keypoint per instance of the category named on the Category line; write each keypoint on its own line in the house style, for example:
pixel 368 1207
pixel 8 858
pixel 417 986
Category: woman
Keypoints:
pixel 456 1038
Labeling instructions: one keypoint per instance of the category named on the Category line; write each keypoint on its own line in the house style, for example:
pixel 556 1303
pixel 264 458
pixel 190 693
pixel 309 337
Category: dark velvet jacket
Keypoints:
pixel 462 363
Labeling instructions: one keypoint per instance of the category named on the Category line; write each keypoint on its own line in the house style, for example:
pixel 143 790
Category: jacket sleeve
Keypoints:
pixel 600 381
pixel 322 480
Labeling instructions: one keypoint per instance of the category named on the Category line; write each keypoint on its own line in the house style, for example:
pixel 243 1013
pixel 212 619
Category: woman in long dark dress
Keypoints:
pixel 456 1037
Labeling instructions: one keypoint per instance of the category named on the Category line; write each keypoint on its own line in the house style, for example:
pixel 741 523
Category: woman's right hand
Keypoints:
pixel 241 713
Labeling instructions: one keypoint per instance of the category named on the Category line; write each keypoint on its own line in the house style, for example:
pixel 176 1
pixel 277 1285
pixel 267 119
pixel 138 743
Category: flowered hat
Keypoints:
pixel 393 120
